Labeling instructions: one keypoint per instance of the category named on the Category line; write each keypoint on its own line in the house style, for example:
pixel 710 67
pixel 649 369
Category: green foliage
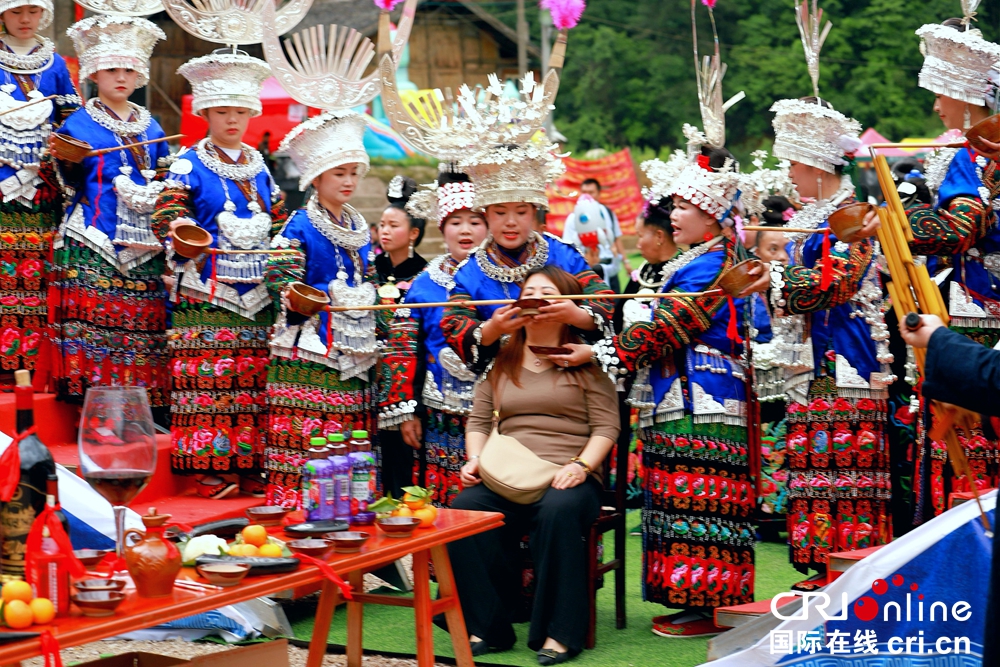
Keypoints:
pixel 629 78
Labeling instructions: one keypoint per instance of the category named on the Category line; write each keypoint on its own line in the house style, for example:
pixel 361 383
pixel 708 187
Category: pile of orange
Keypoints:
pixel 255 543
pixel 21 609
pixel 419 507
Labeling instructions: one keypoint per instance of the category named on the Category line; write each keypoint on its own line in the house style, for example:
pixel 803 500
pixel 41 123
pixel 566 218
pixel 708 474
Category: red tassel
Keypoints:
pixel 329 334
pixel 733 330
pixel 214 279
pixel 826 277
pixel 10 465
pixel 49 519
pixel 100 190
pixel 328 572
pixel 50 649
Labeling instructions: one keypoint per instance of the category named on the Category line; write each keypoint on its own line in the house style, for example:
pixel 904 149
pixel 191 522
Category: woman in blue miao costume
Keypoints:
pixel 218 340
pixel 431 390
pixel 321 378
pixel 30 200
pixel 112 304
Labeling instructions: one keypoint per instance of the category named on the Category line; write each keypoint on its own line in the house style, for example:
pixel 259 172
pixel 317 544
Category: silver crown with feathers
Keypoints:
pixel 957 62
pixel 111 42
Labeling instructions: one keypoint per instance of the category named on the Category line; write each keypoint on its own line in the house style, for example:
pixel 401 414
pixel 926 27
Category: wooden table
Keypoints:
pixel 426 545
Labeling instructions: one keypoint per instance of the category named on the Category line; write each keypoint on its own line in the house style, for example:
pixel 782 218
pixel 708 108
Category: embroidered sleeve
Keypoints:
pixel 284 268
pixel 399 371
pixel 601 310
pixel 801 288
pixel 172 204
pixel 949 230
pixel 462 330
pixel 279 213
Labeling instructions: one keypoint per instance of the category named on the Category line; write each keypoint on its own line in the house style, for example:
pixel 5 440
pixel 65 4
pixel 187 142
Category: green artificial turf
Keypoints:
pixel 391 628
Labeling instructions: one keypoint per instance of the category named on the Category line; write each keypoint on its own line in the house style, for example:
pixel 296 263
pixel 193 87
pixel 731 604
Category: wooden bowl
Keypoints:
pixel 398 526
pixel 348 542
pixel 988 129
pixel 223 574
pixel 847 221
pixel 529 307
pixel 306 300
pixel 91 557
pixel 738 278
pixel 267 515
pixel 312 546
pixel 99 585
pixel 70 149
pixel 97 603
pixel 190 241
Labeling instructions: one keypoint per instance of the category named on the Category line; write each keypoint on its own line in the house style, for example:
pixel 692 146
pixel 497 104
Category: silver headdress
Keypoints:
pixel 436 201
pixel 226 79
pixel 122 7
pixel 327 74
pixel 46 6
pixel 762 183
pixel 513 173
pixel 235 22
pixel 811 132
pixel 714 192
pixel 662 175
pixel 709 73
pixel 957 61
pixel 110 42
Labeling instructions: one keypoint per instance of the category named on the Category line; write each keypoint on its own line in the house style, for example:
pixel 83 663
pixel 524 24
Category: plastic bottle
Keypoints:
pixel 341 463
pixel 317 482
pixel 362 476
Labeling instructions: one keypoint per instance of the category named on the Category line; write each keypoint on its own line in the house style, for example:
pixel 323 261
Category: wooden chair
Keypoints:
pixel 612 518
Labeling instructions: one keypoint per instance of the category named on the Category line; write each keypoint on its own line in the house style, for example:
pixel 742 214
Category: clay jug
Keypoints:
pixel 153 561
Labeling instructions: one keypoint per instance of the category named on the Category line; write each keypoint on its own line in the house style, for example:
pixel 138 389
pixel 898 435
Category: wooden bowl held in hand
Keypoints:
pixel 846 222
pixel 190 241
pixel 97 603
pixel 988 129
pixel 314 547
pixel 738 278
pixel 398 526
pixel 348 542
pixel 529 307
pixel 70 149
pixel 267 515
pixel 306 300
pixel 223 574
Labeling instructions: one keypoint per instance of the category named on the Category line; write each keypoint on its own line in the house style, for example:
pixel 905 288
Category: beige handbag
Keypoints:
pixel 511 470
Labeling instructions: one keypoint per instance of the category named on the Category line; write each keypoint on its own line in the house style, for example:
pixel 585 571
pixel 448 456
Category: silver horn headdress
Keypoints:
pixel 235 22
pixel 122 7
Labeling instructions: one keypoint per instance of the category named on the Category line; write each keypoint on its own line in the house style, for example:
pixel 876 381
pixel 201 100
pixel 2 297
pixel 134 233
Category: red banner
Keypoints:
pixel 620 189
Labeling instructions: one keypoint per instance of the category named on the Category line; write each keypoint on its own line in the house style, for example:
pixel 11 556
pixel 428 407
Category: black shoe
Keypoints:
pixel 550 656
pixel 482 647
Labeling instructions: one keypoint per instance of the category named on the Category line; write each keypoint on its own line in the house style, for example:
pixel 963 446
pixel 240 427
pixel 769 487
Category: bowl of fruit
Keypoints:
pixel 416 503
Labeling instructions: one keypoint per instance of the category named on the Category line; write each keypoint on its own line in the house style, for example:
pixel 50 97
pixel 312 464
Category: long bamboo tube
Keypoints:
pixel 114 149
pixel 790 230
pixel 507 302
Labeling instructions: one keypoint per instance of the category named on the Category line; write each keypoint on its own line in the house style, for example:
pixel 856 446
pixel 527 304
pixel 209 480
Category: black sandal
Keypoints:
pixel 550 656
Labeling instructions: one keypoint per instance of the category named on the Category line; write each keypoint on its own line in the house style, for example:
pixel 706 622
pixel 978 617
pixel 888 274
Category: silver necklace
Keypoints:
pixel 233 172
pixel 648 284
pixel 813 215
pixel 31 63
pixel 120 127
pixel 674 265
pixel 439 274
pixel 352 237
pixel 503 274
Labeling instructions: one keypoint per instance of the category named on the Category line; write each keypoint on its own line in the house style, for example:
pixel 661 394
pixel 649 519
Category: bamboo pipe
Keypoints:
pixel 27 104
pixel 114 149
pixel 507 302
pixel 921 144
pixel 888 186
pixel 790 230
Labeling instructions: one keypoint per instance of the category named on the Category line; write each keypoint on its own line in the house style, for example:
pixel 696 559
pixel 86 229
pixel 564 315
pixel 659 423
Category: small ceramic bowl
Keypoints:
pixel 267 515
pixel 190 241
pixel 91 557
pixel 224 574
pixel 314 547
pixel 348 542
pixel 398 526
pixel 100 585
pixel 847 221
pixel 529 307
pixel 738 278
pixel 97 603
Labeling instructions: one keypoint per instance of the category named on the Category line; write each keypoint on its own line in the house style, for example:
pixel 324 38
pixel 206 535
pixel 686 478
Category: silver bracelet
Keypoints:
pixel 473 457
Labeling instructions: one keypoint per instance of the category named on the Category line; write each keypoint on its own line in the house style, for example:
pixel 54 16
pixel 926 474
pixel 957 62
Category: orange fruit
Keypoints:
pixel 17 614
pixel 427 516
pixel 249 550
pixel 414 502
pixel 269 551
pixel 17 590
pixel 255 535
pixel 402 511
pixel 42 610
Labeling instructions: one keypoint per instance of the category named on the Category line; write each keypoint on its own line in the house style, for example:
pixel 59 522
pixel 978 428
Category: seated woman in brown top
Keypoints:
pixel 565 416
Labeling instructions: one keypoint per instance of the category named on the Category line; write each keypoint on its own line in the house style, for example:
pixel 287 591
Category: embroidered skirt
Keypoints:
pixel 111 327
pixel 25 268
pixel 839 484
pixel 443 456
pixel 773 502
pixel 697 535
pixel 306 400
pixel 218 373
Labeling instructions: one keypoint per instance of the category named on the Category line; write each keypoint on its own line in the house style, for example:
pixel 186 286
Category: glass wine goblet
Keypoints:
pixel 117 447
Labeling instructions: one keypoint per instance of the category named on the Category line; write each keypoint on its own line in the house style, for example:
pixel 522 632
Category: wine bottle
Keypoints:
pixel 17 515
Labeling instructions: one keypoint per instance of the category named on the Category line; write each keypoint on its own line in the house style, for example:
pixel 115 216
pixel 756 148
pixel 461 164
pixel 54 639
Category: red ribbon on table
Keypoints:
pixel 733 330
pixel 49 519
pixel 50 649
pixel 328 572
pixel 10 465
pixel 826 277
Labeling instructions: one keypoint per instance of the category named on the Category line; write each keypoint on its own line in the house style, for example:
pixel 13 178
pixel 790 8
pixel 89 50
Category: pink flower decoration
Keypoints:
pixel 709 3
pixel 566 13
pixel 225 335
pixel 9 300
pixel 387 5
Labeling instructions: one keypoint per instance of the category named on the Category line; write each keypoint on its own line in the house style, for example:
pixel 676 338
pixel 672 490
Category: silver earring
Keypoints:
pixel 409 252
pixel 967 118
